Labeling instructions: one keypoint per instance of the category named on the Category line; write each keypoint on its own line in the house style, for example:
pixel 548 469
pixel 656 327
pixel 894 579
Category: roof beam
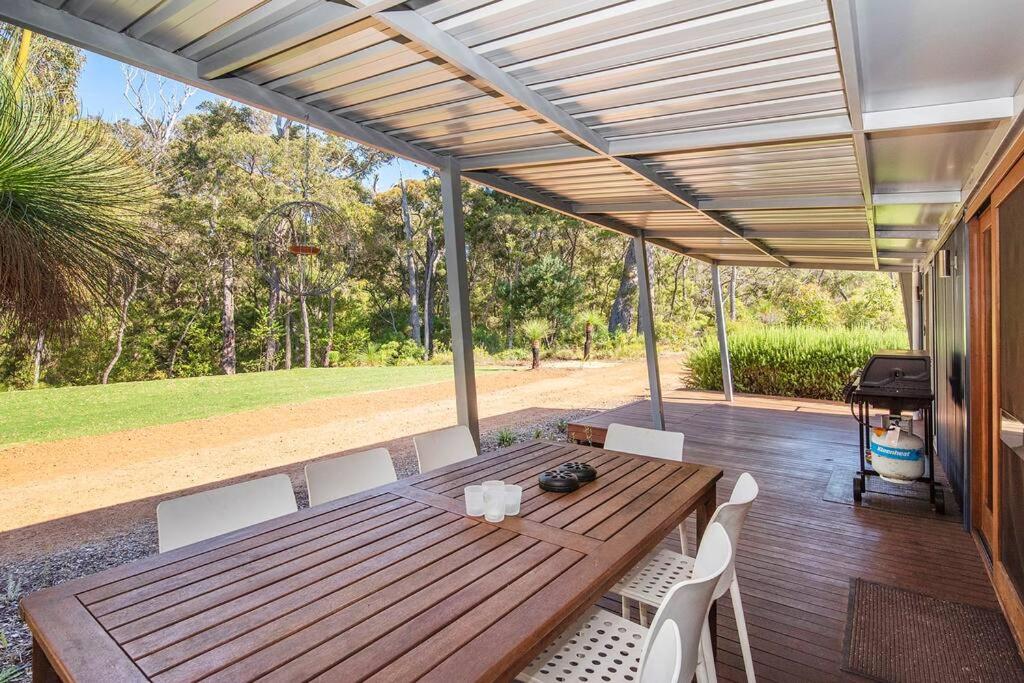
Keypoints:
pixel 757 203
pixel 70 29
pixel 939 115
pixel 415 27
pixel 844 24
pixel 895 198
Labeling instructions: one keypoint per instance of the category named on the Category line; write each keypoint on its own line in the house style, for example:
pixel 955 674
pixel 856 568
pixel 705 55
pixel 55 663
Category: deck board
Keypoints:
pixel 798 551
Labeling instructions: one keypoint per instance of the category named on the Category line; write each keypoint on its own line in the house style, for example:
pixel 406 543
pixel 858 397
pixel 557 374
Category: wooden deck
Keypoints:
pixel 799 552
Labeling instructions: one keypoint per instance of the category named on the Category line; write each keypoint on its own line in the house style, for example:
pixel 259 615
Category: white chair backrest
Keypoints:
pixel 444 447
pixel 653 443
pixel 336 478
pixel 206 514
pixel 731 516
pixel 665 658
pixel 685 608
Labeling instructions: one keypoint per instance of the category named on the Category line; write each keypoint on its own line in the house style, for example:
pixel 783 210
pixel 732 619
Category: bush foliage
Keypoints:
pixel 807 362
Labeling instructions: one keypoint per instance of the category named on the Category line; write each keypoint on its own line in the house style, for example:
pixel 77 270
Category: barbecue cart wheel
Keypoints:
pixel 940 501
pixel 858 486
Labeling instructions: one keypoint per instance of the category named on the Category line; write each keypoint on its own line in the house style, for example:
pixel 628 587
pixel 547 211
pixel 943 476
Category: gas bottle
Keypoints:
pixel 897 454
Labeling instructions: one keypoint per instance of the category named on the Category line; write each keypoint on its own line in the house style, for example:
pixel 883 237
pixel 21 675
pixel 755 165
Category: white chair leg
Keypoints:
pixel 709 653
pixel 625 607
pixel 682 536
pixel 643 612
pixel 702 672
pixel 741 629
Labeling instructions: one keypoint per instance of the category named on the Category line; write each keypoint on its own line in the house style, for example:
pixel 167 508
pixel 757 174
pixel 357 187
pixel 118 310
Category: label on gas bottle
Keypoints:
pixel 894 452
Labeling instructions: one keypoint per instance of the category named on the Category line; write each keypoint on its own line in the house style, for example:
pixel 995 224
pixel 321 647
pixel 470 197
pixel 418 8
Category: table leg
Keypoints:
pixel 42 669
pixel 705 509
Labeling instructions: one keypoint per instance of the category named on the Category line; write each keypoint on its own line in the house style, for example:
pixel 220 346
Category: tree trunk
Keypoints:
pixel 588 343
pixel 288 338
pixel 126 299
pixel 429 286
pixel 415 324
pixel 732 294
pixel 330 330
pixel 622 313
pixel 228 355
pixel 37 359
pixel 307 354
pixel 535 348
pixel 270 351
pixel 177 344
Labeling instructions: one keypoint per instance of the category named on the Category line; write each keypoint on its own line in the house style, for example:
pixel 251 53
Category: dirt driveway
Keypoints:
pixel 57 494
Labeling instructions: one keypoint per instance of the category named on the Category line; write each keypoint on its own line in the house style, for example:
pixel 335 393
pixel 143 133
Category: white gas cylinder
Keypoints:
pixel 897 455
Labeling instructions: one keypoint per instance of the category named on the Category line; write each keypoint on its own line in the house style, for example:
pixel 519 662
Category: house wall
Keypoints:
pixel 946 310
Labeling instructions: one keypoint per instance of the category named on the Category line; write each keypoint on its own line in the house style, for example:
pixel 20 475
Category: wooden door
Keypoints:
pixel 984 448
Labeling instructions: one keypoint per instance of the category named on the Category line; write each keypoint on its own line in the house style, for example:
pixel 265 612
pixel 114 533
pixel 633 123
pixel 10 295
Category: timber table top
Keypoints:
pixel 395 583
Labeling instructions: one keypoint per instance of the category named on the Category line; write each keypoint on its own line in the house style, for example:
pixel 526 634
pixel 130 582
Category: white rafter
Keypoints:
pixel 844 24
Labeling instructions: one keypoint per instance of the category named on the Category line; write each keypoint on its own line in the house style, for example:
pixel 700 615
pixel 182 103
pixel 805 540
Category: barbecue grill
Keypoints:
pixel 898 382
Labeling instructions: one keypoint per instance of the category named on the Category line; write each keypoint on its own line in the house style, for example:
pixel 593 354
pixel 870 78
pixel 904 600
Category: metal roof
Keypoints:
pixel 811 133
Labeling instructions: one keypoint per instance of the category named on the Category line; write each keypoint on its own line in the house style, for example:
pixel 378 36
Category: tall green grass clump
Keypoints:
pixel 806 362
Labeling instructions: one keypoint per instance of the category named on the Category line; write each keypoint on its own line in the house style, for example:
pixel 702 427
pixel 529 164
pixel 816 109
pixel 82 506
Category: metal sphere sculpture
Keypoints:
pixel 303 247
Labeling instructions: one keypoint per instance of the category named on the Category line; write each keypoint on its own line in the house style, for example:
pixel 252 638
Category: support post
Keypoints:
pixel 647 327
pixel 458 296
pixel 723 341
pixel 915 310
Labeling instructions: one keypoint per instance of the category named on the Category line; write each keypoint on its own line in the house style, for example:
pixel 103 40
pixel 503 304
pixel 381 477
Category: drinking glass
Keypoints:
pixel 494 501
pixel 513 499
pixel 474 500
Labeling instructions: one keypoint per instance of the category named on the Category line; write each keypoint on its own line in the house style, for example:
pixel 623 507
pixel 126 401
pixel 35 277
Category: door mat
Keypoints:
pixel 899 636
pixel 903 499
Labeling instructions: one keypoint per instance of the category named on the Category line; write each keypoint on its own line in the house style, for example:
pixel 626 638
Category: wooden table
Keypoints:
pixel 394 584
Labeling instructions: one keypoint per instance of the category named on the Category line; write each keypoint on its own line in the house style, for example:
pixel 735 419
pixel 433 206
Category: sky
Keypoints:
pixel 101 92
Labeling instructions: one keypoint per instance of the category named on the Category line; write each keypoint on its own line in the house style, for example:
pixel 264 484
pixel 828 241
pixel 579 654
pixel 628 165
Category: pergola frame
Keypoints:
pixel 274 28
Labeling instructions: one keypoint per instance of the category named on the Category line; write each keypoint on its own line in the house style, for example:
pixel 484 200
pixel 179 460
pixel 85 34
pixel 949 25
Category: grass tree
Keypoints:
pixel 72 200
pixel 536 330
pixel 588 320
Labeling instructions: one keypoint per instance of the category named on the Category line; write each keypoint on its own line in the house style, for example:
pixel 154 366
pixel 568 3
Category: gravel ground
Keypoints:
pixel 34 574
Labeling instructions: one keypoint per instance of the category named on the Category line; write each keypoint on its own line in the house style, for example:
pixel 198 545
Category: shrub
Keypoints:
pixel 806 362
pixel 506 437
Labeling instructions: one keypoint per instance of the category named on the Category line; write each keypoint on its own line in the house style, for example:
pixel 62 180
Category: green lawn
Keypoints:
pixel 49 414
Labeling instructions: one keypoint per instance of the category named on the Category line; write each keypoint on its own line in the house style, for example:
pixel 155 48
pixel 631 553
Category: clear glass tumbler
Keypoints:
pixel 474 500
pixel 494 500
pixel 513 499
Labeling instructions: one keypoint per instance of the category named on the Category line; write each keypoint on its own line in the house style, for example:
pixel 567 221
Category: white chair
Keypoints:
pixel 603 646
pixel 444 447
pixel 328 480
pixel 654 443
pixel 206 514
pixel 650 582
